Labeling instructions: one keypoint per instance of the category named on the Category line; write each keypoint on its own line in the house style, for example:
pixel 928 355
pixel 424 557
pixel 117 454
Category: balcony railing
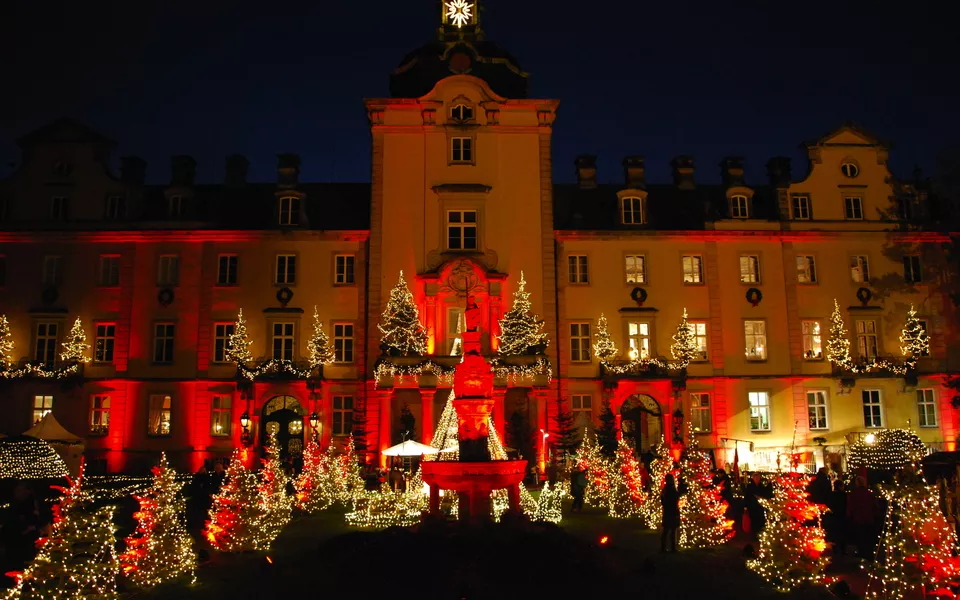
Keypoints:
pixel 639 369
pixel 437 370
pixel 275 368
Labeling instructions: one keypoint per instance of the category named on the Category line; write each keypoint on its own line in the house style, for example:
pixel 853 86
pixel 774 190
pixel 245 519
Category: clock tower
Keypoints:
pixel 460 19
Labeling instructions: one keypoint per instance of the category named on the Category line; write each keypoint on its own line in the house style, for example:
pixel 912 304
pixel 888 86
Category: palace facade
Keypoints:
pixel 462 201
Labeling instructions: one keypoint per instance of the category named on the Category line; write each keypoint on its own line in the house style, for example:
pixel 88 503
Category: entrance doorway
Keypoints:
pixel 641 422
pixel 283 417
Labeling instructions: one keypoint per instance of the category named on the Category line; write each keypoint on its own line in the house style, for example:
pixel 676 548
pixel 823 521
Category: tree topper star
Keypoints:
pixel 460 12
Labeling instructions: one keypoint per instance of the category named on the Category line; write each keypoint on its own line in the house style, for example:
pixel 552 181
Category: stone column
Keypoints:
pixel 513 496
pixel 499 414
pixel 426 414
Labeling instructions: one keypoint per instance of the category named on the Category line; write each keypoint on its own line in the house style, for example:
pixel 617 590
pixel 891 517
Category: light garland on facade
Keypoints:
pixel 71 358
pixel 29 458
pixel 403 333
pixel 237 513
pixel 889 449
pixel 321 352
pixel 703 520
pixel 512 373
pixel 520 329
pixel 274 366
pixel 913 339
pixel 385 368
pixel 683 349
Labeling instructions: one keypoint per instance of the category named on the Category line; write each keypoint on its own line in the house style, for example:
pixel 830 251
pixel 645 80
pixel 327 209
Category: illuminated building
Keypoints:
pixel 461 199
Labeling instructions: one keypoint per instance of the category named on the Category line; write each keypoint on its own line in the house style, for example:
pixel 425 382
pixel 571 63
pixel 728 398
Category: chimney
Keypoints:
pixel 633 172
pixel 288 171
pixel 237 167
pixel 183 171
pixel 778 170
pixel 133 169
pixel 586 171
pixel 683 172
pixel 731 171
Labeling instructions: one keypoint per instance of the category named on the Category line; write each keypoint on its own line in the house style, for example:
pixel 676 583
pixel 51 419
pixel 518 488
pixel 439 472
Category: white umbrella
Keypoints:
pixel 410 448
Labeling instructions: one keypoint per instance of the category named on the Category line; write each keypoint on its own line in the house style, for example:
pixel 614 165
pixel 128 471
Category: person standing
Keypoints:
pixel 862 513
pixel 670 503
pixel 578 487
pixel 752 494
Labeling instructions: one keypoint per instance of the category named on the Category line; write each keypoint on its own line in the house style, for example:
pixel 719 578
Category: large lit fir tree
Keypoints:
pixel 77 561
pixel 312 484
pixel 792 544
pixel 238 512
pixel 565 430
pixel 684 347
pixel 273 491
pixel 626 496
pixel 76 346
pixel 596 468
pixel 238 344
pixel 660 466
pixel 703 520
pixel 548 505
pixel 321 352
pixel 6 344
pixel 604 348
pixel 607 431
pixel 349 478
pixel 914 341
pixel 403 334
pixel 445 435
pixel 838 342
pixel 160 547
pixel 520 329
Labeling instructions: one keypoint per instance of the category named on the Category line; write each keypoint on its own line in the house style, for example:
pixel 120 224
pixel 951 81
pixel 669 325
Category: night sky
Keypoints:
pixel 209 78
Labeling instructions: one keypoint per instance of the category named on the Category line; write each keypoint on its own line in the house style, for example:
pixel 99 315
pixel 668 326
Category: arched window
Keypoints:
pixel 739 207
pixel 289 210
pixel 633 210
pixel 461 113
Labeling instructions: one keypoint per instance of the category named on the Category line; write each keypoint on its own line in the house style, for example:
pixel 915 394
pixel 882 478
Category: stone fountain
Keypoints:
pixel 475 474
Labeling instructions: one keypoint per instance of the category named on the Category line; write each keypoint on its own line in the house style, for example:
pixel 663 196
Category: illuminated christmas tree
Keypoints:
pixel 684 347
pixel 607 431
pixel 77 561
pixel 914 341
pixel 838 343
pixel 312 485
pixel 403 334
pixel 349 478
pixel 6 344
pixel 238 344
pixel 520 330
pixel 497 451
pixel 160 548
pixel 596 467
pixel 564 434
pixel 703 520
pixel 445 435
pixel 278 505
pixel 660 466
pixel 321 352
pixel 76 346
pixel 604 348
pixel 626 487
pixel 238 512
pixel 915 555
pixel 792 542
pixel 548 505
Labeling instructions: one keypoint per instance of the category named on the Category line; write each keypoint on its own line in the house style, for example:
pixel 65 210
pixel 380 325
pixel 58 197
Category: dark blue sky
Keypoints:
pixel 743 77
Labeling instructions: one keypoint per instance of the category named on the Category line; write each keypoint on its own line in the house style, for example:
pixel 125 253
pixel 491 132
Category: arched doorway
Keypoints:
pixel 641 422
pixel 283 416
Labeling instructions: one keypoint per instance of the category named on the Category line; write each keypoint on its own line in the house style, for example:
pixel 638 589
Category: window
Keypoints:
pixel 806 269
pixel 872 409
pixel 342 415
pixel 633 211
pixel 220 416
pixel 46 349
pixel 756 338
pixel 853 208
pixel 759 411
pixel 168 270
pixel 749 268
pixel 286 269
pixel 635 268
pixel 700 417
pixel 163 342
pixel 577 269
pixel 580 342
pixel 912 272
pixel 103 345
pixel 867 344
pixel 462 230
pixel 344 269
pixel 582 407
pixel 699 331
pixel 638 336
pixel 61 169
pixel 116 208
pixel 290 210
pixel 860 269
pixel 59 208
pixel 801 207
pixel 41 406
pixel 109 271
pixel 52 274
pixel 158 419
pixel 227 269
pixel 343 342
pixel 174 206
pixel 817 409
pixel 461 149
pixel 461 113
pixel 927 408
pixel 455 328
pixel 221 339
pixel 99 415
pixel 283 341
pixel 849 169
pixel 693 269
pixel 739 207
pixel 812 341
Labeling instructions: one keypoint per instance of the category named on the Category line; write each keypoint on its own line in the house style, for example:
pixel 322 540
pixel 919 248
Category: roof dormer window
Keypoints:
pixel 739 207
pixel 116 208
pixel 633 210
pixel 461 113
pixel 849 169
pixel 61 169
pixel 290 210
pixel 175 206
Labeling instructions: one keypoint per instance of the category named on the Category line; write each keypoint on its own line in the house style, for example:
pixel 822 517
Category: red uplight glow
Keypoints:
pixel 604 540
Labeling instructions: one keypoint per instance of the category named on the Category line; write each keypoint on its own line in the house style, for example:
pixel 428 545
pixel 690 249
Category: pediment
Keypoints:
pixel 848 135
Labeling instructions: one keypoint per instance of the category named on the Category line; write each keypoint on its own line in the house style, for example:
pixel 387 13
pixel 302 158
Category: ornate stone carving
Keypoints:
pixel 490 260
pixel 493 116
pixel 434 260
pixel 462 279
pixel 429 116
pixel 376 116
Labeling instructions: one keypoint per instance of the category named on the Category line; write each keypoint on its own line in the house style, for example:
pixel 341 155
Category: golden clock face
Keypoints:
pixel 459 12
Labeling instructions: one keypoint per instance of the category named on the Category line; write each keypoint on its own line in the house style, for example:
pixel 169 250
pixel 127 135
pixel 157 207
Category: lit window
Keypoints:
pixel 116 208
pixel 859 269
pixel 221 339
pixel 286 269
pixel 633 211
pixel 580 342
pixel 577 269
pixel 59 208
pixel 749 268
pixel 461 230
pixel 698 330
pixel 461 149
pixel 283 341
pixel 693 269
pixel 638 335
pixel 289 210
pixel 867 343
pixel 41 406
pixel 853 208
pixel 46 348
pixel 849 169
pixel 227 269
pixel 99 415
pixel 163 343
pixel 342 415
pixel 461 113
pixel 912 273
pixel 872 408
pixel 168 270
pixel 817 409
pixel 739 207
pixel 801 207
pixel 52 274
pixel 755 333
pixel 343 342
pixel 812 341
pixel 806 269
pixel 174 206
pixel 582 407
pixel 344 269
pixel 220 416
pixel 927 408
pixel 103 345
pixel 635 268
pixel 700 417
pixel 759 411
pixel 158 419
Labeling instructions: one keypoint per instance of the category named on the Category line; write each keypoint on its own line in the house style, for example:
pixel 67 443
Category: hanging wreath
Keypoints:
pixel 864 295
pixel 49 295
pixel 284 296
pixel 639 295
pixel 165 297
pixel 754 296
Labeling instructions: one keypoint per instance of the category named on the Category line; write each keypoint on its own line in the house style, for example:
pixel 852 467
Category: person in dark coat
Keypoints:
pixel 755 490
pixel 21 527
pixel 820 488
pixel 862 513
pixel 670 502
pixel 578 487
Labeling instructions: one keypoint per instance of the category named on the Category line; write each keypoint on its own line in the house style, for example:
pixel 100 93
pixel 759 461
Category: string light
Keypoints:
pixel 513 373
pixel 604 348
pixel 626 494
pixel 913 339
pixel 278 505
pixel 76 346
pixel 520 330
pixel 683 349
pixel 889 449
pixel 237 513
pixel 403 333
pixel 548 505
pixel 703 520
pixel 30 458
pixel 597 469
pixel 311 485
pixel 321 352
pixel 238 344
pixel 6 343
pixel 660 466
pixel 72 357
pixel 385 368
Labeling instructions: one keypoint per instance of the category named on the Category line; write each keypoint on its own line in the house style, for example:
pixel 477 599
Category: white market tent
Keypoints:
pixel 69 446
pixel 410 448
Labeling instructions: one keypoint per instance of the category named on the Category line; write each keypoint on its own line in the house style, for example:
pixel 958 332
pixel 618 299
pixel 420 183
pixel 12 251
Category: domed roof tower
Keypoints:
pixel 460 49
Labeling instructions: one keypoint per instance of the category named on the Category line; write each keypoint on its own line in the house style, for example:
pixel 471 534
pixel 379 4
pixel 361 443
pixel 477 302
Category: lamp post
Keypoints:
pixel 543 451
pixel 314 426
pixel 245 437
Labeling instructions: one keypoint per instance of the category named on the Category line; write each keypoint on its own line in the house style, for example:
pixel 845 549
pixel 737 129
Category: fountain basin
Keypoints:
pixel 474 481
